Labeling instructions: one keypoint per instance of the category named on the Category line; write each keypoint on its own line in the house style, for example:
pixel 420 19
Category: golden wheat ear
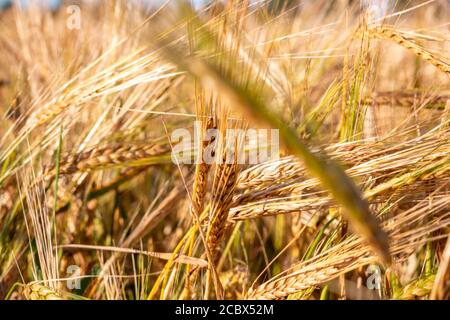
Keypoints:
pixel 390 33
pixel 245 98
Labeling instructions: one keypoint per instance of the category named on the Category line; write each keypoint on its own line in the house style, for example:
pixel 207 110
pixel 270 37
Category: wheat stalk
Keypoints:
pixel 108 156
pixel 226 180
pixel 225 177
pixel 385 32
pixel 201 171
pixel 352 253
pixel 36 291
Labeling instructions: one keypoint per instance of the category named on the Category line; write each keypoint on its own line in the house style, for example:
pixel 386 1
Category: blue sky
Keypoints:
pixel 55 3
pixel 49 3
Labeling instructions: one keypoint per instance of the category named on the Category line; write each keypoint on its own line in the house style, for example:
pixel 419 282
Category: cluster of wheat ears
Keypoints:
pixel 93 204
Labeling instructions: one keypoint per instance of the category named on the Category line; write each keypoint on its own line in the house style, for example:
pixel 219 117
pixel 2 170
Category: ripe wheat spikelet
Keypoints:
pixel 198 194
pixel 318 202
pixel 106 157
pixel 308 277
pixel 389 169
pixel 200 183
pixel 391 34
pixel 355 154
pixel 277 190
pixel 269 171
pixel 36 291
pixel 276 207
pixel 226 180
pixel 225 177
pixel 353 252
pixel 286 168
pixel 201 172
pixel 51 111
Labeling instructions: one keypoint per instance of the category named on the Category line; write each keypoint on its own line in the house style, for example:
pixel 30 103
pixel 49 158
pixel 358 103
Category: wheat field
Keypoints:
pixel 119 179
